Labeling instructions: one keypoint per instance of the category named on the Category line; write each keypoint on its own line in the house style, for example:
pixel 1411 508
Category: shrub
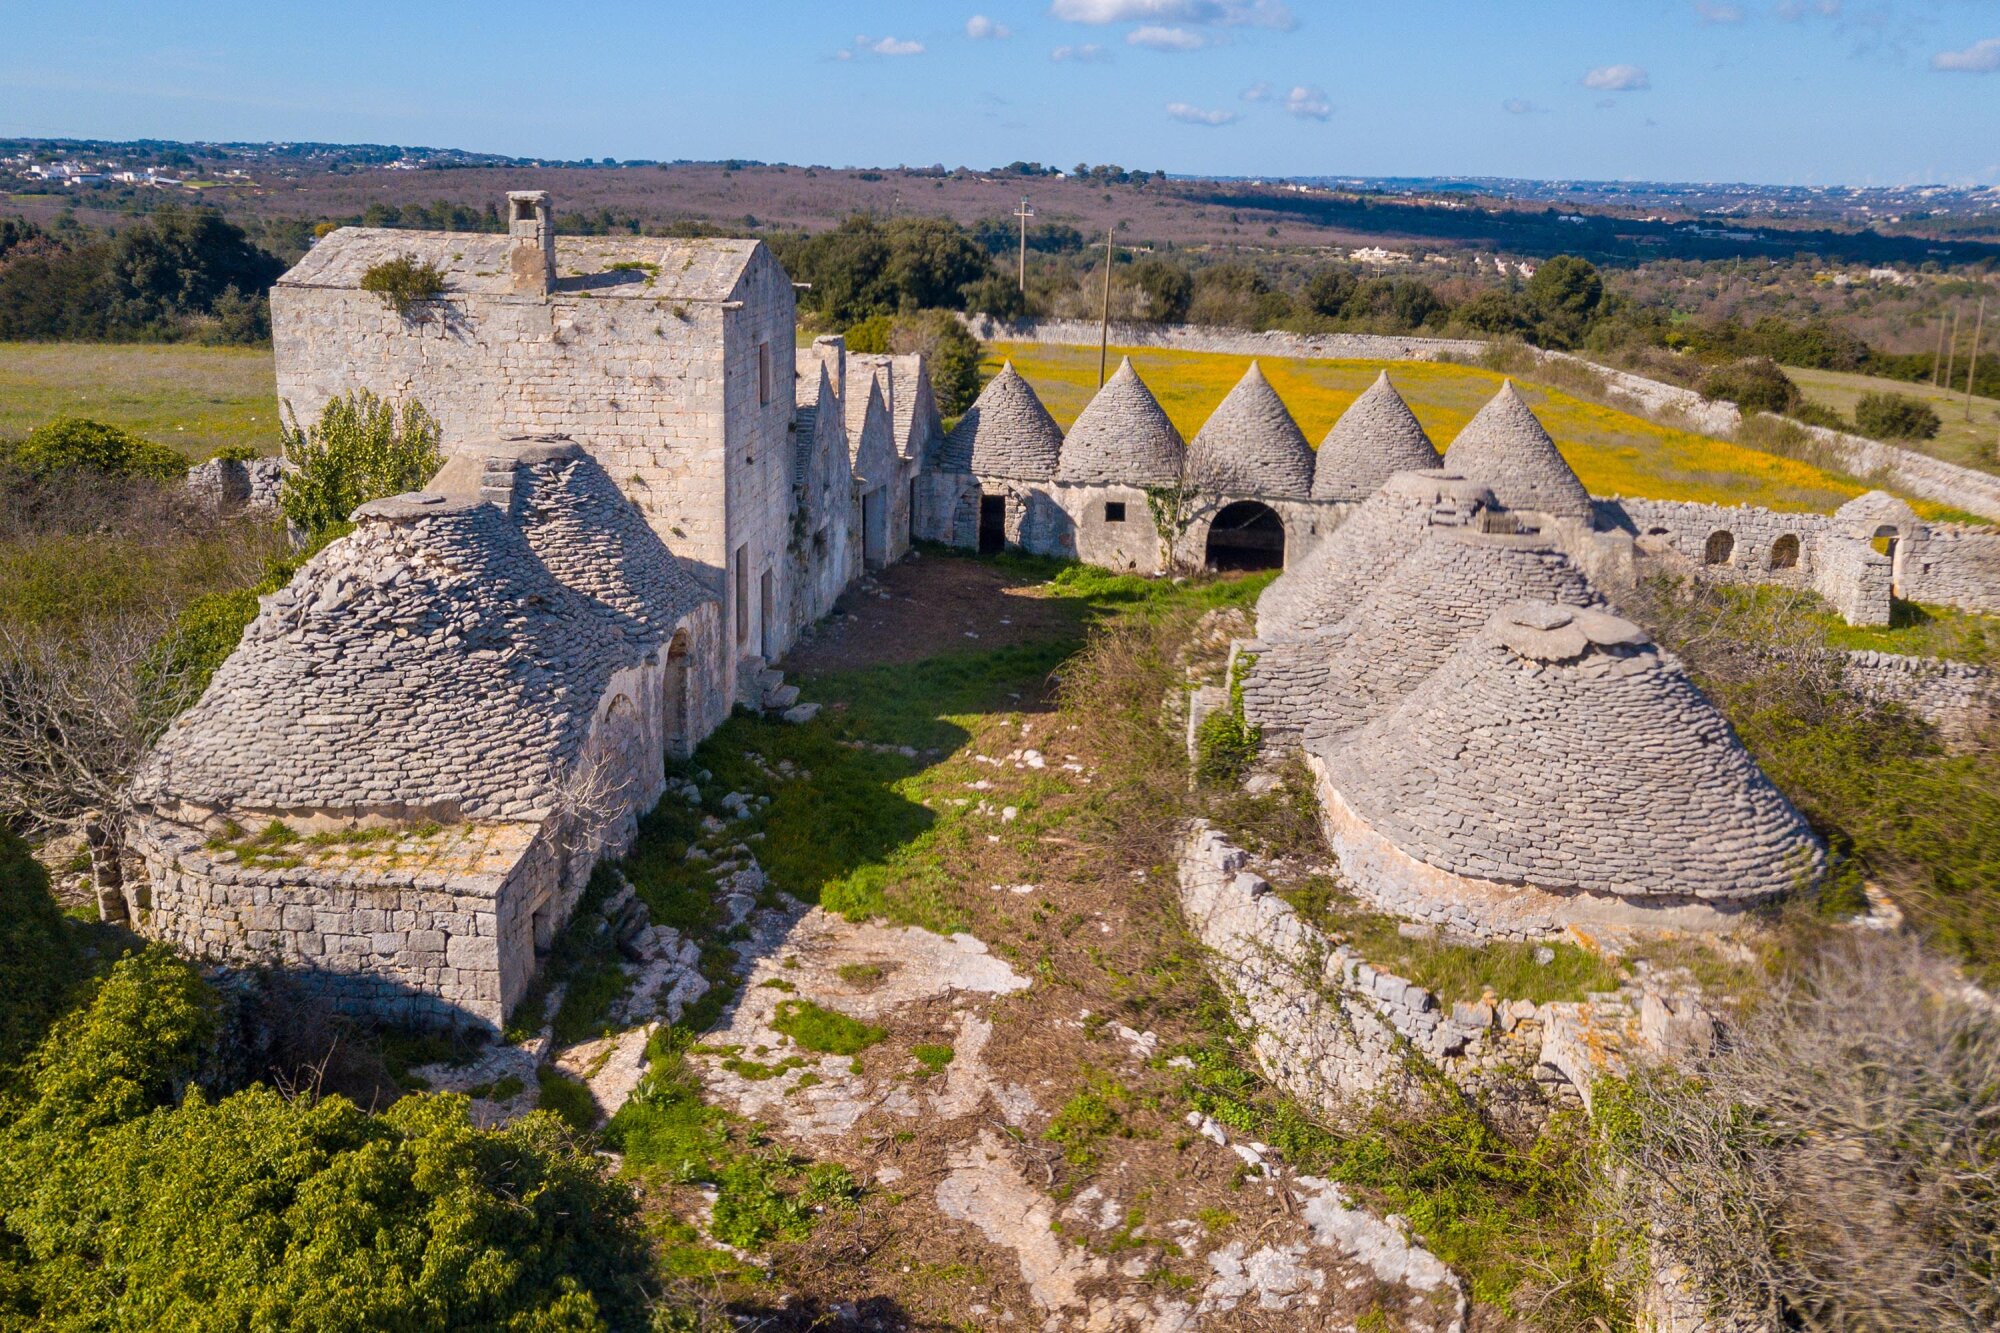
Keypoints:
pixel 404 283
pixel 236 453
pixel 952 354
pixel 1813 414
pixel 361 449
pixel 1836 1164
pixel 38 958
pixel 1755 384
pixel 77 444
pixel 1895 416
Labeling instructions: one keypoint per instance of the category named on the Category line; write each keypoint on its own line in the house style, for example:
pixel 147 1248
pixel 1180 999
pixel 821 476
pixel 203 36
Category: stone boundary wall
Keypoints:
pixel 1953 565
pixel 232 483
pixel 1236 342
pixel 1958 698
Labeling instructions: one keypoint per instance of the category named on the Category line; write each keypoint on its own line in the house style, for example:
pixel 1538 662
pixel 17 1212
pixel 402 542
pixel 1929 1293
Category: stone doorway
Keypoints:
pixel 875 528
pixel 992 524
pixel 1246 535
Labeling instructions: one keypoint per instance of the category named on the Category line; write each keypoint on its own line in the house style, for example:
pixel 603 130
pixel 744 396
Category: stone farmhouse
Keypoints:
pixel 399 783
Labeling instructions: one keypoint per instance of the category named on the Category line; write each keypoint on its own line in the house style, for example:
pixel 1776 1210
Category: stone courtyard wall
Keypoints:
pixel 1951 565
pixel 1961 700
pixel 1238 342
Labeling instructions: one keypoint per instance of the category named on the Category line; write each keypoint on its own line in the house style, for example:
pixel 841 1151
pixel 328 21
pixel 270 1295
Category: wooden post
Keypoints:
pixel 1972 366
pixel 1104 331
pixel 1951 352
pixel 1024 213
pixel 1937 357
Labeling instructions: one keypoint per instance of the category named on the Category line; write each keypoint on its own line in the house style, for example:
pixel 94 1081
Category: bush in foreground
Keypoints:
pixel 360 449
pixel 76 444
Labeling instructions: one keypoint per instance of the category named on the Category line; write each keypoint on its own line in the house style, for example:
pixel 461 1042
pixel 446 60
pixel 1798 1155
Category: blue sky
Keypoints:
pixel 1792 91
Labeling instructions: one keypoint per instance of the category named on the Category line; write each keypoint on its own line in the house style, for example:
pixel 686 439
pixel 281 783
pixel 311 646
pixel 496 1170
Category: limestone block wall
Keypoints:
pixel 1306 523
pixel 1960 699
pixel 1857 580
pixel 1953 565
pixel 757 414
pixel 1753 551
pixel 1130 544
pixel 236 483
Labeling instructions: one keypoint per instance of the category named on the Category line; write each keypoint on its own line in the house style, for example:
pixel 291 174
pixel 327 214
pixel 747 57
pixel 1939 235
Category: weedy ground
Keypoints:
pixel 1970 439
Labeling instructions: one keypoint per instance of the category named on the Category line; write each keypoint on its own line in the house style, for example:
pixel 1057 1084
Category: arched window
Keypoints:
pixel 1717 550
pixel 1246 535
pixel 1785 552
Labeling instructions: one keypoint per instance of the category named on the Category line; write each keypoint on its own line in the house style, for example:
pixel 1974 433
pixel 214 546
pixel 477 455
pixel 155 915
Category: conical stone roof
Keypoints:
pixel 427 664
pixel 1438 598
pixel 1318 591
pixel 1376 437
pixel 1005 433
pixel 1123 437
pixel 1506 447
pixel 1251 446
pixel 1561 748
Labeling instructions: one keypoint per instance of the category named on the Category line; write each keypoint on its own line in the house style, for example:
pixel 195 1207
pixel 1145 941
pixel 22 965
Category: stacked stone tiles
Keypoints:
pixel 428 664
pixel 1375 438
pixel 1506 447
pixel 1123 438
pixel 1441 596
pixel 1560 748
pixel 1005 433
pixel 1319 591
pixel 1251 447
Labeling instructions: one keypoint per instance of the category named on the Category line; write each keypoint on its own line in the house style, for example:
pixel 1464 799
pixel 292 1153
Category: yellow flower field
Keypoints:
pixel 1615 453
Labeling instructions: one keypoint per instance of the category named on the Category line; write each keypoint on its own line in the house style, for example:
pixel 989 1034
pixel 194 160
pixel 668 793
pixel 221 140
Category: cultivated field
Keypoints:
pixel 1969 443
pixel 1614 452
pixel 197 399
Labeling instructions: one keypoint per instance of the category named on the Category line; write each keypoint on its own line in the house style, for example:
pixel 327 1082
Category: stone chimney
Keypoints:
pixel 531 224
pixel 831 349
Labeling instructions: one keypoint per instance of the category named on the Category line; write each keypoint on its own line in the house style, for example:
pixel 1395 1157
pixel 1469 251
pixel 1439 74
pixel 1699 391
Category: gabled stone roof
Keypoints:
pixel 477 263
pixel 1317 592
pixel 1251 446
pixel 427 664
pixel 1005 433
pixel 1864 514
pixel 1439 597
pixel 1506 447
pixel 1123 437
pixel 1376 437
pixel 1561 748
pixel 906 388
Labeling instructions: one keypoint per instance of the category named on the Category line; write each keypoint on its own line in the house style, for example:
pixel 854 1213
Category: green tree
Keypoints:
pixel 361 449
pixel 1756 384
pixel 952 354
pixel 1329 290
pixel 179 265
pixel 39 963
pixel 1896 416
pixel 1566 292
pixel 1166 287
pixel 1494 312
pixel 931 263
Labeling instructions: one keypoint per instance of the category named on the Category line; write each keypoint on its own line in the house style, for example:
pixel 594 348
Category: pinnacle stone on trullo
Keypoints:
pixel 1005 433
pixel 1123 437
pixel 1375 438
pixel 1251 447
pixel 1506 447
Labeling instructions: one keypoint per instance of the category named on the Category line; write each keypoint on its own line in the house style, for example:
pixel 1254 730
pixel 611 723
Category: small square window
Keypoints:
pixel 1114 511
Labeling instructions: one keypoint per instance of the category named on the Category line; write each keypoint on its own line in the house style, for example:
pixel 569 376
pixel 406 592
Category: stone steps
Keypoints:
pixel 762 688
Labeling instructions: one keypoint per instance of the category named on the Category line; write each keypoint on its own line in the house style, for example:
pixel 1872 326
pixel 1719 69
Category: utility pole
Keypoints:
pixel 1937 358
pixel 1951 352
pixel 1024 213
pixel 1972 366
pixel 1104 332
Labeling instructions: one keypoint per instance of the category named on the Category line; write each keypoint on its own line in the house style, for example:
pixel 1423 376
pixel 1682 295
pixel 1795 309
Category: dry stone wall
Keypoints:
pixel 1952 565
pixel 1237 342
pixel 1958 698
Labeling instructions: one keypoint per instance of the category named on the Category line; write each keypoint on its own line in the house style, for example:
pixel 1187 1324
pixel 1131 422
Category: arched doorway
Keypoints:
pixel 1785 552
pixel 674 699
pixel 1719 547
pixel 1246 535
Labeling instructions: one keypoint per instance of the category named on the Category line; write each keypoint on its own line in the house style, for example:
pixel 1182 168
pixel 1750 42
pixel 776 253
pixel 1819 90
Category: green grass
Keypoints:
pixel 824 1031
pixel 932 1058
pixel 1967 443
pixel 197 399
pixel 568 1098
pixel 1092 1113
pixel 1455 971
pixel 1920 630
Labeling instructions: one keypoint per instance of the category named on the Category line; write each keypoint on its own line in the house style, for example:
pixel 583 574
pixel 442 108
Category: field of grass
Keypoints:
pixel 1615 453
pixel 1969 443
pixel 196 399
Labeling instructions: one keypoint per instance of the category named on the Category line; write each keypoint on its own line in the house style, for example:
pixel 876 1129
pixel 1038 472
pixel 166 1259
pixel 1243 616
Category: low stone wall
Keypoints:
pixel 1236 342
pixel 1953 565
pixel 231 483
pixel 1961 700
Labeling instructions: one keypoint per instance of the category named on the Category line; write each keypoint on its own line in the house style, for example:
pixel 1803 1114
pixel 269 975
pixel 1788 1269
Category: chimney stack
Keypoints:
pixel 531 224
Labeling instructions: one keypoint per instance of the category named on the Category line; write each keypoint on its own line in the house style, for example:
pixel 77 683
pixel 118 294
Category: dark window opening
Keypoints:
pixel 1785 552
pixel 1114 511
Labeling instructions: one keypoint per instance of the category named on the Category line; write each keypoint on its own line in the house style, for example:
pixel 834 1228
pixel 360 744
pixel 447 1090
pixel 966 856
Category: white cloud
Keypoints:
pixel 1519 106
pixel 1168 39
pixel 1221 13
pixel 1257 92
pixel 892 46
pixel 979 28
pixel 1090 53
pixel 1308 103
pixel 1617 79
pixel 1194 115
pixel 1709 11
pixel 1793 10
pixel 1979 58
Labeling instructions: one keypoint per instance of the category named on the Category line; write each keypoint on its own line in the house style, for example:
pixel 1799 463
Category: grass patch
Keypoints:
pixel 1095 1111
pixel 824 1031
pixel 583 962
pixel 860 975
pixel 1455 971
pixel 197 399
pixel 932 1059
pixel 568 1098
pixel 1967 443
